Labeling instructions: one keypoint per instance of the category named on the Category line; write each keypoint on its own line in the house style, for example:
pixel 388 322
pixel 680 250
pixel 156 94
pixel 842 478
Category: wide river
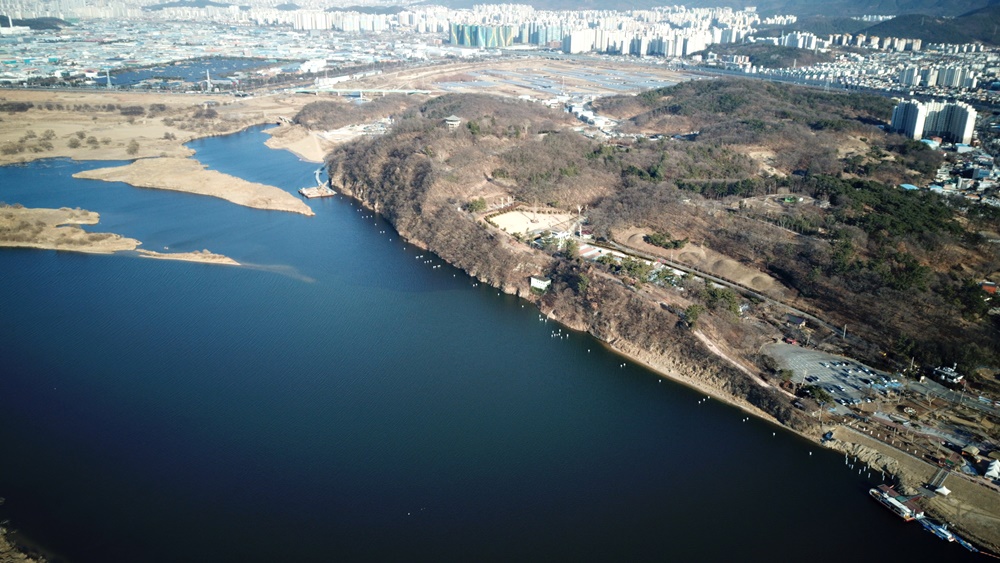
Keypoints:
pixel 347 397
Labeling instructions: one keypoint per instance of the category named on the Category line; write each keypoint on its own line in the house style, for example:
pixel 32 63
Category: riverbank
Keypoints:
pixel 308 145
pixel 101 124
pixel 152 130
pixel 647 335
pixel 971 509
pixel 10 553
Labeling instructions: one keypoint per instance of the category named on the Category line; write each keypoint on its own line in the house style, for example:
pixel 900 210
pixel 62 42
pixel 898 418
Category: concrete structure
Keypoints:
pixel 540 284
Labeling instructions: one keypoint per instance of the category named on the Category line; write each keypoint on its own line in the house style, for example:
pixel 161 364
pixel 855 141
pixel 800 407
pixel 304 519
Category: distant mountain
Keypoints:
pixel 772 56
pixel 381 10
pixel 818 25
pixel 186 4
pixel 802 8
pixel 288 7
pixel 848 8
pixel 980 25
pixel 35 23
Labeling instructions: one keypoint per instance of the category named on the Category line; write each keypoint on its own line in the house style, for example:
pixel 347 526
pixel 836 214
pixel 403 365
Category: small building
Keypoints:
pixel 909 187
pixel 453 122
pixel 797 322
pixel 541 284
pixel 989 287
pixel 948 375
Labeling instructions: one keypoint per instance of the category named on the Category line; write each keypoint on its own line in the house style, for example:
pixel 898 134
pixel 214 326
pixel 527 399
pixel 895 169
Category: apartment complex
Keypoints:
pixel 953 121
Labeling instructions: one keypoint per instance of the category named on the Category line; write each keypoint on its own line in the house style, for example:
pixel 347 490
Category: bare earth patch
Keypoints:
pixel 306 144
pixel 521 221
pixel 189 176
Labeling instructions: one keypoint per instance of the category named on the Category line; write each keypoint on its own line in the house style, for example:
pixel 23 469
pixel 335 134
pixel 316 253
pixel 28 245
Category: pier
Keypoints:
pixel 317 191
pixel 320 190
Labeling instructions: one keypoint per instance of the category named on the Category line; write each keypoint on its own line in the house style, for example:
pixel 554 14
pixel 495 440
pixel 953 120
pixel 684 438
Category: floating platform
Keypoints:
pixel 317 191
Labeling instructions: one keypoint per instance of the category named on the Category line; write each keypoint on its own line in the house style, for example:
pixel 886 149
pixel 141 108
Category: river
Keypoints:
pixel 349 397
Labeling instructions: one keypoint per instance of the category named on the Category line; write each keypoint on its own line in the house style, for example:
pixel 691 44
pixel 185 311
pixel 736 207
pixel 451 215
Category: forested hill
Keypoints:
pixel 899 266
pixel 771 56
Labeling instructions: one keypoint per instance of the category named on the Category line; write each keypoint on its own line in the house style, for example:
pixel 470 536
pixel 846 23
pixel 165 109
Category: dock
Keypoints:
pixel 322 189
pixel 317 191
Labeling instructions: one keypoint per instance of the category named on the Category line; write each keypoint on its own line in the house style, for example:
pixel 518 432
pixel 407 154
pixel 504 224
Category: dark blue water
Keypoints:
pixel 188 71
pixel 343 400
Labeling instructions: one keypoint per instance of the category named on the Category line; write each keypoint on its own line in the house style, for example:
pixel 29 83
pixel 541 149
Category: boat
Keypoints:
pixel 966 544
pixel 900 505
pixel 939 530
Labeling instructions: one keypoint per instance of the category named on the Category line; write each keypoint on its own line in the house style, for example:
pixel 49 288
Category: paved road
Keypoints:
pixel 933 389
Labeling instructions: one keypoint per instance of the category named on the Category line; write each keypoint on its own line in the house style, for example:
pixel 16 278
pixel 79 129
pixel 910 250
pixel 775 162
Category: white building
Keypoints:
pixel 954 121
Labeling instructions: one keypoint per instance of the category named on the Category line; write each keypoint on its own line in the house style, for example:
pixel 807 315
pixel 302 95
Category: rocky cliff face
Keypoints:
pixel 395 176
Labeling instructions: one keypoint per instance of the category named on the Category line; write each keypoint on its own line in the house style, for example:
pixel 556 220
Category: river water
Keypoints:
pixel 343 398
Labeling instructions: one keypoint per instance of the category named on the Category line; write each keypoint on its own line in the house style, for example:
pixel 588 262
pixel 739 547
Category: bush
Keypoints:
pixel 74 143
pixel 133 148
pixel 476 206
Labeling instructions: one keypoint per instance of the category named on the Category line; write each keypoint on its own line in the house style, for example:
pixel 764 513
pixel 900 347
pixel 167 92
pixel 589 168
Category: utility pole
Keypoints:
pixel 844 335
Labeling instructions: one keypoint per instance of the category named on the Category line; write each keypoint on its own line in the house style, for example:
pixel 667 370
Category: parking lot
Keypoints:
pixel 848 382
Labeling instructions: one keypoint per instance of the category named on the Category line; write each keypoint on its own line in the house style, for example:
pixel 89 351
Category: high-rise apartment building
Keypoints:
pixel 954 121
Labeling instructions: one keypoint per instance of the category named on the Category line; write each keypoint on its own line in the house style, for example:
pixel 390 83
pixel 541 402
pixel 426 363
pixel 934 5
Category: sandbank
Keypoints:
pixel 303 143
pixel 190 176
pixel 203 256
pixel 58 229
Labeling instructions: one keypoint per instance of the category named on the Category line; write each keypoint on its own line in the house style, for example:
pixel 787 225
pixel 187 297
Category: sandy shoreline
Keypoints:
pixel 307 145
pixel 204 257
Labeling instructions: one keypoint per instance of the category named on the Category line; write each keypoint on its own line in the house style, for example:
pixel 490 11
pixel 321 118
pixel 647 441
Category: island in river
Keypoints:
pixel 150 129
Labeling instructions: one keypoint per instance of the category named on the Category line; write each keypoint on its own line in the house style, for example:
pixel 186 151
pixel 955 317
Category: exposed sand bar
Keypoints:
pixel 190 176
pixel 203 256
pixel 307 145
pixel 58 229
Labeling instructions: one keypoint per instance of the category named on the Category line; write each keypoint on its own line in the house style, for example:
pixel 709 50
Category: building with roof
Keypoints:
pixel 953 121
